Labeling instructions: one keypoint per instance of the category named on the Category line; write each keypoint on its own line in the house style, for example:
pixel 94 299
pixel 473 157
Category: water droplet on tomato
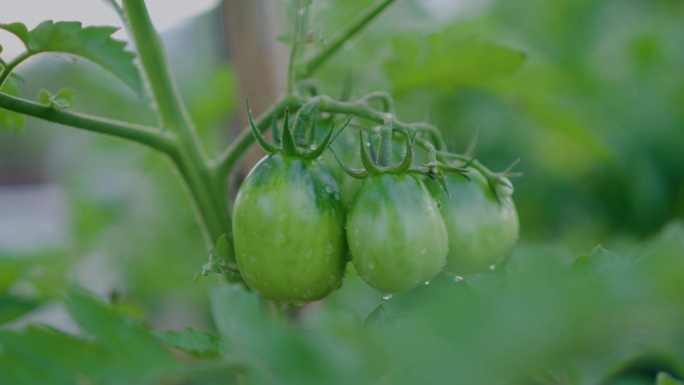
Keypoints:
pixel 337 196
pixel 280 238
pixel 457 278
pixel 371 265
pixel 328 248
pixel 386 296
pixel 426 283
pixel 328 189
pixel 492 267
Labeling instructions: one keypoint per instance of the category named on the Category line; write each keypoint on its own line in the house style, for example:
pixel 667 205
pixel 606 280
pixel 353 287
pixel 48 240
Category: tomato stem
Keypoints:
pixel 343 37
pixel 9 67
pixel 385 150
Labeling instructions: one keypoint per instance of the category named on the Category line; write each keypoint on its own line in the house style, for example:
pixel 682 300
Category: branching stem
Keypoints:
pixel 148 136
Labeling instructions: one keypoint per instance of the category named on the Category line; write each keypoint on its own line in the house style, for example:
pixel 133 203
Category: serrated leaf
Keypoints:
pixel 195 342
pixel 61 100
pixel 666 379
pixel 93 43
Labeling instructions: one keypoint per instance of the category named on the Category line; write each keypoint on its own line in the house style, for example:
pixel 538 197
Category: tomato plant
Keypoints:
pixel 282 308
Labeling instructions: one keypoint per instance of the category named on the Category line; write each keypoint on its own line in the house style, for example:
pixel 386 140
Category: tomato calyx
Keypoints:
pixel 292 141
pixel 381 162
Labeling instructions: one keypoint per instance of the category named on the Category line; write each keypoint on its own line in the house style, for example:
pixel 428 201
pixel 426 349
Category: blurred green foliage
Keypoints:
pixel 588 93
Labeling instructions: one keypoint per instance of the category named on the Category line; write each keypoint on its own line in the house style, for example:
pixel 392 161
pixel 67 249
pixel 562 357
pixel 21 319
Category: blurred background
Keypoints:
pixel 588 93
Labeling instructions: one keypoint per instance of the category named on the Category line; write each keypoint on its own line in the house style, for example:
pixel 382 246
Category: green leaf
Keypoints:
pixel 134 355
pixel 665 379
pixel 239 316
pixel 43 355
pixel 12 307
pixel 195 342
pixel 92 43
pixel 61 100
pixel 600 260
pixel 448 61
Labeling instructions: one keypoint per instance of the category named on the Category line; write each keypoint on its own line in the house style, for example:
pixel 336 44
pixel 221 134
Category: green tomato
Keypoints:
pixel 288 230
pixel 481 230
pixel 395 232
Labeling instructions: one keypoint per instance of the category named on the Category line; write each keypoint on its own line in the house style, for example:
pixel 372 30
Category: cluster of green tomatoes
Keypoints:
pixel 302 214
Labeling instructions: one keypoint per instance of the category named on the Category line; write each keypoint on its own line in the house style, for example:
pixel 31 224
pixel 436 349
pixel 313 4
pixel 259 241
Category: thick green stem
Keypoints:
pixel 148 136
pixel 207 191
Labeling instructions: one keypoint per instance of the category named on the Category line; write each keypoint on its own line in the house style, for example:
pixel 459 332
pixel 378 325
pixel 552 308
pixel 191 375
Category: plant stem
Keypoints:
pixel 338 41
pixel 148 136
pixel 207 191
pixel 385 150
pixel 362 110
pixel 9 67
